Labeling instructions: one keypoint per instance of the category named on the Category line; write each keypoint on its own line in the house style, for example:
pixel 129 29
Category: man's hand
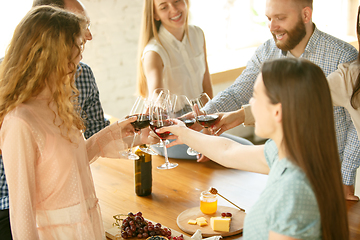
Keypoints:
pixel 349 191
pixel 228 121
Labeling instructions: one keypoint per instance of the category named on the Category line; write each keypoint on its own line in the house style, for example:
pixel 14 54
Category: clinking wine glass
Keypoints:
pixel 182 110
pixel 160 117
pixel 159 96
pixel 205 118
pixel 140 109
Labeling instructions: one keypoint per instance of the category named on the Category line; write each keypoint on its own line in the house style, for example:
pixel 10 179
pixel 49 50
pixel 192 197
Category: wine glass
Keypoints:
pixel 160 96
pixel 140 109
pixel 183 110
pixel 203 117
pixel 160 117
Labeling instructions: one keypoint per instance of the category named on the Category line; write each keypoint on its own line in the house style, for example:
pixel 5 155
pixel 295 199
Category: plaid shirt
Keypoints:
pixel 327 52
pixel 92 112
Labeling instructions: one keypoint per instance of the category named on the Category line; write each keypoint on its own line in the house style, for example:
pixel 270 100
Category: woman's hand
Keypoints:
pixel 177 129
pixel 148 137
pixel 124 125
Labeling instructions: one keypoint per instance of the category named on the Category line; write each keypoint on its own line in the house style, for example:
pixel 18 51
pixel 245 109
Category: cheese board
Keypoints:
pixel 236 225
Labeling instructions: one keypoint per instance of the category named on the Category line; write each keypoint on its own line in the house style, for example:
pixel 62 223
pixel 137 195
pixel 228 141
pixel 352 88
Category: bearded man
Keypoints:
pixel 294 35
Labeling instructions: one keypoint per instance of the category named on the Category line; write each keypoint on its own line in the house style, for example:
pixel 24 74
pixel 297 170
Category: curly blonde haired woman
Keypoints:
pixel 46 159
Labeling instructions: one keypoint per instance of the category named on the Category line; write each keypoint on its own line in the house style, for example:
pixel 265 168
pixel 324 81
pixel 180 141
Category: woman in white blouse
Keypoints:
pixel 172 54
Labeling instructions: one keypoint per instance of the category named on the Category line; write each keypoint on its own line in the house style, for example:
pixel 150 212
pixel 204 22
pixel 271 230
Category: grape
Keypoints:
pixel 145 235
pixel 226 214
pixel 139 235
pixel 124 235
pixel 130 214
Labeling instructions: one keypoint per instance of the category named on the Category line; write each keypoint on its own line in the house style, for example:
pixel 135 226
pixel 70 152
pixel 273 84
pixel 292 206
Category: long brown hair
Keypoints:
pixel 354 99
pixel 309 135
pixel 39 55
pixel 150 29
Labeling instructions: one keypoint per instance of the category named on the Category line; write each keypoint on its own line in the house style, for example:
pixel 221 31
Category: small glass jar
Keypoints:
pixel 208 202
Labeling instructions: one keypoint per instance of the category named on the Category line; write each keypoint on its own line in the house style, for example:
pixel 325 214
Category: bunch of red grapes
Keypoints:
pixel 136 226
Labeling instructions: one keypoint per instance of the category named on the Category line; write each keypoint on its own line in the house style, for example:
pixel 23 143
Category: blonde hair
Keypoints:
pixel 39 55
pixel 150 29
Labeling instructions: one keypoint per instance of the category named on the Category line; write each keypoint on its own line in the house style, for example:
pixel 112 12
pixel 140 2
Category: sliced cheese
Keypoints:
pixel 192 221
pixel 201 221
pixel 221 224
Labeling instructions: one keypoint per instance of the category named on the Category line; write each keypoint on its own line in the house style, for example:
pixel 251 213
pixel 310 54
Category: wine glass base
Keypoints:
pixel 192 152
pixel 168 166
pixel 148 150
pixel 130 156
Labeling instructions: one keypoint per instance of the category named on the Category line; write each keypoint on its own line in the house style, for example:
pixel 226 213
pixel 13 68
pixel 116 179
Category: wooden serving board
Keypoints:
pixel 115 234
pixel 236 225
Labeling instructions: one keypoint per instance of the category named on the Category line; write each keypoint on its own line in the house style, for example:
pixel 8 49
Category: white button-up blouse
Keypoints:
pixel 184 61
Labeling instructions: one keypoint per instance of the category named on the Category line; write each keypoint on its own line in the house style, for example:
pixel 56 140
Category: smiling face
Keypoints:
pixel 285 23
pixel 172 14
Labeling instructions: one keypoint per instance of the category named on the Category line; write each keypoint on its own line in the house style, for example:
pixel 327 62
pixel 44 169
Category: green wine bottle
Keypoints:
pixel 143 173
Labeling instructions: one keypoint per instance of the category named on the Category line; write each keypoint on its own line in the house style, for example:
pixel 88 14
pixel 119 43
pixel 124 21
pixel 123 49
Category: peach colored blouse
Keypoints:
pixel 51 190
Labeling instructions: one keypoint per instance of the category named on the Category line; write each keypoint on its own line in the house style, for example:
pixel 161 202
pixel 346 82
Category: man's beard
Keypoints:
pixel 294 37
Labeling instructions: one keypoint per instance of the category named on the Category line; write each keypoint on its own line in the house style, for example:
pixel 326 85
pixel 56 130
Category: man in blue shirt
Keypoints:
pixel 295 35
pixel 88 99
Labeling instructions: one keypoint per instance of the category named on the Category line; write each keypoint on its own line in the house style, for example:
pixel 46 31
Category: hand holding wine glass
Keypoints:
pixel 140 109
pixel 183 110
pixel 160 117
pixel 203 117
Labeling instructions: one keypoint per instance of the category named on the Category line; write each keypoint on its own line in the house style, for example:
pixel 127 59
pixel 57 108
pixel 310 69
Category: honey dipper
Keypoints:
pixel 214 191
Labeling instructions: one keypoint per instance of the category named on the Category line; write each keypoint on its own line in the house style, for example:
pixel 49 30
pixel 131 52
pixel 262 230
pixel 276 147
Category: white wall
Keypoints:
pixel 115 25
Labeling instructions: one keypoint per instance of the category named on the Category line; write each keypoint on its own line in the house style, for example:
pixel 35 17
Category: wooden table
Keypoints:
pixel 179 189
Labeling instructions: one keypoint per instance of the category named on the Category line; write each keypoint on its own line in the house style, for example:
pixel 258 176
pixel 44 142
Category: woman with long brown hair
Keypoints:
pixel 292 107
pixel 46 159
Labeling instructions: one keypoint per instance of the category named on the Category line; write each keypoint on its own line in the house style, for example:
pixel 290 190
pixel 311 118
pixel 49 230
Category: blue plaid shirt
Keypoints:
pixel 92 112
pixel 327 52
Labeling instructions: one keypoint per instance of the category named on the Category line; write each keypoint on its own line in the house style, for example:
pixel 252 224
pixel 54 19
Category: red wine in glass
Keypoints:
pixel 188 121
pixel 156 124
pixel 207 120
pixel 142 121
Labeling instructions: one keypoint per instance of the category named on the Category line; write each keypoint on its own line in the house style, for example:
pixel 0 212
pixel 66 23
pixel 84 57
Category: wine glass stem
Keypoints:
pixel 165 153
pixel 133 141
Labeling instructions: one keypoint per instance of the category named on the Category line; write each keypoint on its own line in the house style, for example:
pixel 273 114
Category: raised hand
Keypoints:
pixel 228 121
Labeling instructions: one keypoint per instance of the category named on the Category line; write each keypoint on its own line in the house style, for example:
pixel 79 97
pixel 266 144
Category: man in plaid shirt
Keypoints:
pixel 294 35
pixel 88 99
